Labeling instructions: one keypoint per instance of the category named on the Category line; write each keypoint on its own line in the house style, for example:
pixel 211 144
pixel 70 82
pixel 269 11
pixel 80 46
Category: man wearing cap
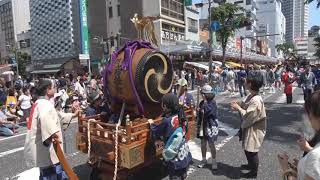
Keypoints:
pixel 96 105
pixel 185 98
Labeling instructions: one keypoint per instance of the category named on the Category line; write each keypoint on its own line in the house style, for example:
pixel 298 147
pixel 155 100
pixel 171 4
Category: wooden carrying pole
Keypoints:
pixel 63 162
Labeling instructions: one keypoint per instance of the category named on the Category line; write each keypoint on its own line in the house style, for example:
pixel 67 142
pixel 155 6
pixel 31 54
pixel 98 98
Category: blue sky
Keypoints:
pixel 314 13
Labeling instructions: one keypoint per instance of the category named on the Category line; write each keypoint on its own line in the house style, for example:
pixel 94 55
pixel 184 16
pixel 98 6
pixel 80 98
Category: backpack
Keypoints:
pixel 176 151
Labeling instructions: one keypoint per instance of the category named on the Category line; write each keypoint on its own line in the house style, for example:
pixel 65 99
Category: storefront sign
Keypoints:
pixel 171 36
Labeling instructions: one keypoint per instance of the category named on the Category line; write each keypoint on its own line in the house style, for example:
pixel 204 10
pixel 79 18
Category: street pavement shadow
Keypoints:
pixel 228 171
pixel 284 123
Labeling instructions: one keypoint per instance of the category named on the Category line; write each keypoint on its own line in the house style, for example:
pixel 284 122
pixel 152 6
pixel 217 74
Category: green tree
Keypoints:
pixel 318 2
pixel 288 50
pixel 317 45
pixel 23 60
pixel 231 17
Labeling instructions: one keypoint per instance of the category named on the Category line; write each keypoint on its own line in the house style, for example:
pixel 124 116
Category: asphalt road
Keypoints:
pixel 284 127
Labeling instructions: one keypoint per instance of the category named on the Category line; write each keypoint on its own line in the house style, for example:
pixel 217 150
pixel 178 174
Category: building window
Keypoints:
pixel 110 12
pixel 238 2
pixel 248 2
pixel 118 8
pixel 192 25
pixel 173 8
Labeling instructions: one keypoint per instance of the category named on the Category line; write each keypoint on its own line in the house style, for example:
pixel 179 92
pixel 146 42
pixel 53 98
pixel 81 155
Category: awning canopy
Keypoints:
pixel 183 47
pixel 45 71
pixel 233 64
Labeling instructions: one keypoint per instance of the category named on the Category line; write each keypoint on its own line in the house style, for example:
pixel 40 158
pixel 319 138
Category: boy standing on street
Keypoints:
pixel 44 128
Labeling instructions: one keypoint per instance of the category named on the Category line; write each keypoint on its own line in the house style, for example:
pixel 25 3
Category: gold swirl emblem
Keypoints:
pixel 159 77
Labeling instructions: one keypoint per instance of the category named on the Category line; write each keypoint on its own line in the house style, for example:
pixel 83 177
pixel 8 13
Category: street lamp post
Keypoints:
pixel 244 37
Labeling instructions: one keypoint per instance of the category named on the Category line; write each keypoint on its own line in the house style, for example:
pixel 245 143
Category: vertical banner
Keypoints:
pixel 84 27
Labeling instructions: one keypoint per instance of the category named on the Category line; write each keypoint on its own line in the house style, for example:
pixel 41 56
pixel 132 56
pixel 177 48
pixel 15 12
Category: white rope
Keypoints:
pixel 116 152
pixel 89 139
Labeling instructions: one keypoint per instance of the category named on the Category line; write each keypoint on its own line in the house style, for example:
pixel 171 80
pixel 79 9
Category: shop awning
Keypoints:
pixel 45 71
pixel 233 64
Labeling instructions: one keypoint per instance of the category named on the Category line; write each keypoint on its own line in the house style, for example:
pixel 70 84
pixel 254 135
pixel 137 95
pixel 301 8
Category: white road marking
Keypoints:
pixel 2 154
pixel 22 134
pixel 18 135
pixel 300 101
pixel 35 172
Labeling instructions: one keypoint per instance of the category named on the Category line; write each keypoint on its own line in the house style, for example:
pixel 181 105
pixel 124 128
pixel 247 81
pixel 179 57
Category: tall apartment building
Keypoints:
pixel 301 17
pixel 296 14
pixel 55 34
pixel 250 7
pixel 176 22
pixel 15 19
pixel 288 11
pixel 269 13
pixel 113 20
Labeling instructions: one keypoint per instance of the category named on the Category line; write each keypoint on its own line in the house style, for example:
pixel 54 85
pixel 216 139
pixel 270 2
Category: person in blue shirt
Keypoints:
pixel 96 105
pixel 176 151
pixel 207 123
pixel 316 72
pixel 7 128
pixel 242 75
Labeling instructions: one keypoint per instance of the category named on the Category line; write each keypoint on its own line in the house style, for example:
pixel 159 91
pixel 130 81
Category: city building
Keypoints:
pixel 250 7
pixel 55 35
pixel 296 14
pixel 114 22
pixel 301 45
pixel 15 19
pixel 314 31
pixel 192 24
pixel 24 42
pixel 270 14
pixel 176 26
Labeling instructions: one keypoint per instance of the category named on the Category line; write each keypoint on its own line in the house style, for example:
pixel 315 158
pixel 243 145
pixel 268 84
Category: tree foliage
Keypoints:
pixel 23 60
pixel 288 50
pixel 317 45
pixel 231 17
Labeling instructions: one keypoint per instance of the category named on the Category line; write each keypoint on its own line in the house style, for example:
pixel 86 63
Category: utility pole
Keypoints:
pixel 210 40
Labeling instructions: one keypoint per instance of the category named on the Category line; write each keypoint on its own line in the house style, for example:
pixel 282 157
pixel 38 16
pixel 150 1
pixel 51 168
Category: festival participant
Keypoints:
pixel 11 102
pixel 254 123
pixel 207 124
pixel 308 80
pixel 44 129
pixel 173 129
pixel 307 168
pixel 231 76
pixel 242 75
pixel 288 79
pixel 96 105
pixel 7 128
pixel 25 103
pixel 185 98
